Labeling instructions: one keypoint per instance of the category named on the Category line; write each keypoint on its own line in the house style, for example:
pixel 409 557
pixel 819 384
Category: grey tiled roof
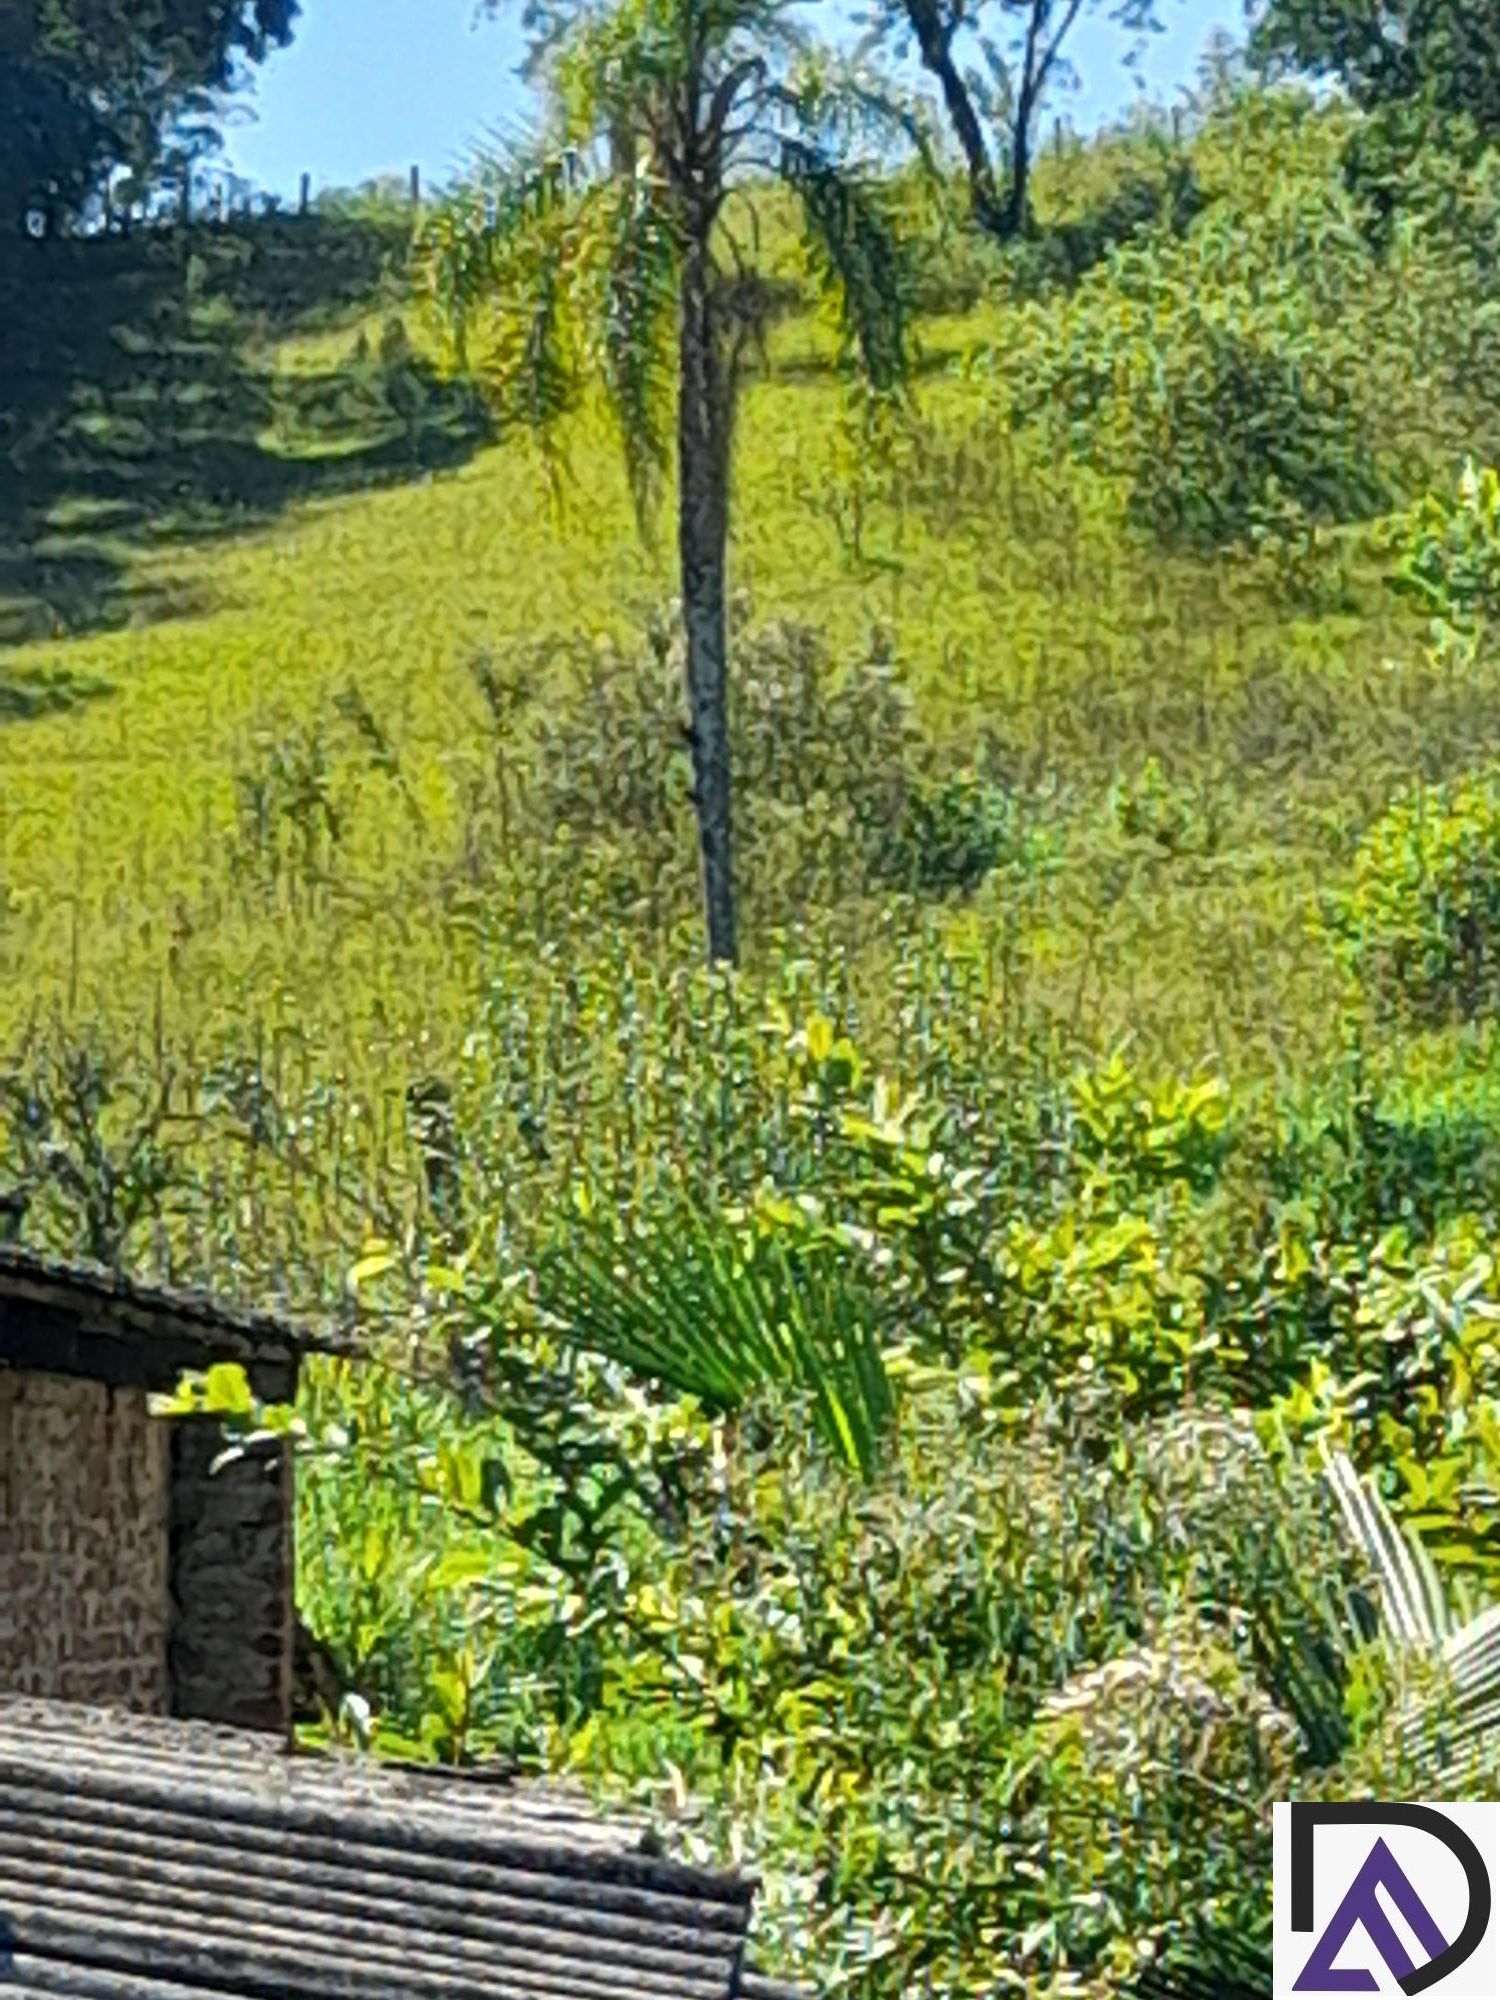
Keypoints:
pixel 152 1860
pixel 83 1319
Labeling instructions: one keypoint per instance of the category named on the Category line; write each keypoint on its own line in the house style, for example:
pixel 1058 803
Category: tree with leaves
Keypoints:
pixel 1020 49
pixel 88 85
pixel 1443 55
pixel 602 256
pixel 1426 73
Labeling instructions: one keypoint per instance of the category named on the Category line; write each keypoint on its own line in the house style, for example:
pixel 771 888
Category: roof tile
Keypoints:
pixel 158 1860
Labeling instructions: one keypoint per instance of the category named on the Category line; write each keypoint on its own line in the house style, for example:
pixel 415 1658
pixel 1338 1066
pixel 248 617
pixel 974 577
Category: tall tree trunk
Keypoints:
pixel 1017 220
pixel 702 542
pixel 934 33
pixel 1036 73
pixel 622 149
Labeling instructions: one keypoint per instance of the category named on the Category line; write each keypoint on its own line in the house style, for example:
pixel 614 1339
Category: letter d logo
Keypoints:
pixel 1385 1898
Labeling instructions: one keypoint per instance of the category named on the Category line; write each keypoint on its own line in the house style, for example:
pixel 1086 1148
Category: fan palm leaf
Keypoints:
pixel 1422 1621
pixel 706 1315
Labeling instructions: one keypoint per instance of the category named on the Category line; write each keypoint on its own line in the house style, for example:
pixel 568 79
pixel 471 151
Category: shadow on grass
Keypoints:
pixel 806 369
pixel 135 414
pixel 30 692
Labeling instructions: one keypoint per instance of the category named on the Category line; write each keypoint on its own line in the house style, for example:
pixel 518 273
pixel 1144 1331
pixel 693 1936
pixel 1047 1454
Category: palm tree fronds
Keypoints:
pixel 1412 1594
pixel 639 265
pixel 709 1316
pixel 534 271
pixel 858 258
pixel 846 102
pixel 1454 1723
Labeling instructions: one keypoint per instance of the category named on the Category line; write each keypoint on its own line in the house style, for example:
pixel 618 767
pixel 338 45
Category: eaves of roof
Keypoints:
pixel 151 1860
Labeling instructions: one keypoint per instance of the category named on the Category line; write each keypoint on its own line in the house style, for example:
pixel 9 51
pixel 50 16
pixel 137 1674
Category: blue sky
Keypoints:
pixel 375 86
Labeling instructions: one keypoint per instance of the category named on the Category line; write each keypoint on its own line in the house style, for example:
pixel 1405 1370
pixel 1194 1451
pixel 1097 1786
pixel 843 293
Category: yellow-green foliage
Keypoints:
pixel 1421 915
pixel 348 944
pixel 1041 641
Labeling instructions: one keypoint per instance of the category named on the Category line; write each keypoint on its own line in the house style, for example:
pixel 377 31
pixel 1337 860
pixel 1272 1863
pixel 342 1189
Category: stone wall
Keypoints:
pixel 231 1579
pixel 84 1602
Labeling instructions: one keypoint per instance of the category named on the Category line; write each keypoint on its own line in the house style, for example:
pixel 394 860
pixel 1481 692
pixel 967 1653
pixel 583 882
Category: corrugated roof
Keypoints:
pixel 152 1860
pixel 80 1318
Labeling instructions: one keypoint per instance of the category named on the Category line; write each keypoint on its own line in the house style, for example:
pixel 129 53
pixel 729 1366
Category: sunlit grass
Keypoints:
pixel 1041 635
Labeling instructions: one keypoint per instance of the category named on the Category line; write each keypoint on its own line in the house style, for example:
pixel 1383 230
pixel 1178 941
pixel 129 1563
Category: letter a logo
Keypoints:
pixel 1361 1907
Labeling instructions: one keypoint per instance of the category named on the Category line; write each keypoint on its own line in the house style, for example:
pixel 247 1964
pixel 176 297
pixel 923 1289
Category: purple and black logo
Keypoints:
pixel 1374 1898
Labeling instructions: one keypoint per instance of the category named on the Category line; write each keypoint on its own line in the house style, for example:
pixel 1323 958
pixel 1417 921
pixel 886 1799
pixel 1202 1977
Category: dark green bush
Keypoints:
pixel 612 754
pixel 1149 194
pixel 1419 922
pixel 1392 158
pixel 833 776
pixel 949 834
pixel 1261 359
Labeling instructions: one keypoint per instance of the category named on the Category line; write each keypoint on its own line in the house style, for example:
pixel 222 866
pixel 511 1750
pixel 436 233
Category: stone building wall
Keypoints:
pixel 84 1601
pixel 231 1576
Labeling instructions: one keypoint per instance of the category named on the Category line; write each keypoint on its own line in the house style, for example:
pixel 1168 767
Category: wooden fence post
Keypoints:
pixel 305 198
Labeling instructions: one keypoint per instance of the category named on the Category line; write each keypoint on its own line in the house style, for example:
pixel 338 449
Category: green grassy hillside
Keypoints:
pixel 223 525
pixel 1108 1088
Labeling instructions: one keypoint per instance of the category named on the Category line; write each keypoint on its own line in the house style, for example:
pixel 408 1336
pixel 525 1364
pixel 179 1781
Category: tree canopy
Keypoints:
pixel 996 62
pixel 90 84
pixel 1445 53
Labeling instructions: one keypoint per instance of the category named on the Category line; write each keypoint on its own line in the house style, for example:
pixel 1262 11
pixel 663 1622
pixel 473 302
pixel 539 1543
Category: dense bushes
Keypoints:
pixel 1420 920
pixel 1447 560
pixel 835 779
pixel 948 1704
pixel 842 1400
pixel 1210 377
pixel 1013 1713
pixel 1091 200
pixel 1268 356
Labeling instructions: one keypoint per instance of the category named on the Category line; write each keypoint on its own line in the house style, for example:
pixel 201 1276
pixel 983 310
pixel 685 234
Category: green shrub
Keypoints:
pixel 948 836
pixel 612 756
pixel 1150 1135
pixel 1154 188
pixel 1372 1164
pixel 1210 375
pixel 1263 370
pixel 880 1682
pixel 837 790
pixel 1420 919
pixel 1447 553
pixel 1159 1772
pixel 610 753
pixel 34 691
pixel 1412 1390
pixel 806 728
pixel 1397 158
pixel 1148 806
